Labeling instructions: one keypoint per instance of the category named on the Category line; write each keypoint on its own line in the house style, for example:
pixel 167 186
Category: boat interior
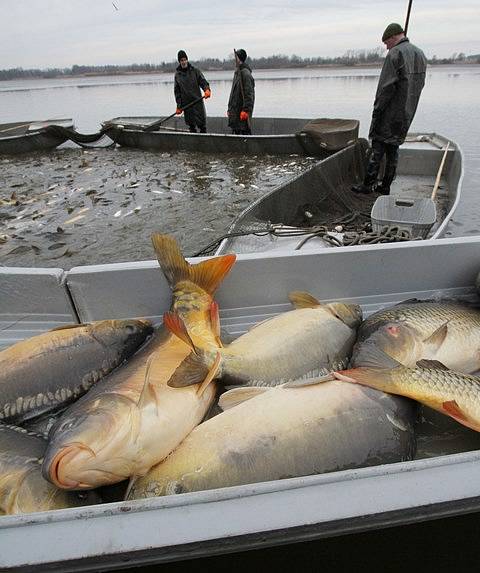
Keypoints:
pixel 322 197
pixel 27 127
pixel 219 125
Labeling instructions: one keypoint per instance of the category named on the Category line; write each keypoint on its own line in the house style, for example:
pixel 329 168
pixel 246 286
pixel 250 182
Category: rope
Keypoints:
pixel 388 234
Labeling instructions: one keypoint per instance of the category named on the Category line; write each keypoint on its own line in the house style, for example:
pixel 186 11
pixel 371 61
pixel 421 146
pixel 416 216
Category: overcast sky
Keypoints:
pixel 60 33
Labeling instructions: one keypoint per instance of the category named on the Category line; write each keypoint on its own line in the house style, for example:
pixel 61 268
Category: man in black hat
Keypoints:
pixel 188 81
pixel 242 96
pixel 401 82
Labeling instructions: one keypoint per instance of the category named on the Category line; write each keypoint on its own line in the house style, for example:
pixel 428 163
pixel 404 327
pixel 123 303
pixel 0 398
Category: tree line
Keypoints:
pixel 350 58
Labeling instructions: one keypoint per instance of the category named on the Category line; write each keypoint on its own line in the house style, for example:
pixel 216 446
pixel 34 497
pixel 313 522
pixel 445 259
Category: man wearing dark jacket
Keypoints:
pixel 401 82
pixel 242 96
pixel 188 81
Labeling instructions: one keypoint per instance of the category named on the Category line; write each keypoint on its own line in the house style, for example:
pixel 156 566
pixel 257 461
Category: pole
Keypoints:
pixel 155 124
pixel 408 16
pixel 439 174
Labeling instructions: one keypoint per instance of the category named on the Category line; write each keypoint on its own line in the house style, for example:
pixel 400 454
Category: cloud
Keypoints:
pixel 58 33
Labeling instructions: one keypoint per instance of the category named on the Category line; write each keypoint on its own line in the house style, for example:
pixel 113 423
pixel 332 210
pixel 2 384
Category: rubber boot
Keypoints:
pixel 192 129
pixel 388 177
pixel 370 181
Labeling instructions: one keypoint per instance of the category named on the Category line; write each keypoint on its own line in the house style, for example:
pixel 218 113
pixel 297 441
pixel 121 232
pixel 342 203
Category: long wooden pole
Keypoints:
pixel 407 20
pixel 155 124
pixel 439 174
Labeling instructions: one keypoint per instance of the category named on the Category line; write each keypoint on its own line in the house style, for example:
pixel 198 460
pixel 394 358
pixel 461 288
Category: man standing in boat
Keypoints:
pixel 188 81
pixel 401 82
pixel 242 96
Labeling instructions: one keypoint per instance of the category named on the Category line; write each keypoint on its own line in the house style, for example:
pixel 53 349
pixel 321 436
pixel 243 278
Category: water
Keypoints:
pixel 206 206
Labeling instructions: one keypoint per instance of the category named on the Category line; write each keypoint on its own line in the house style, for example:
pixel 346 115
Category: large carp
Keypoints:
pixel 50 370
pixel 446 331
pixel 132 419
pixel 22 487
pixel 452 393
pixel 284 433
pixel 312 339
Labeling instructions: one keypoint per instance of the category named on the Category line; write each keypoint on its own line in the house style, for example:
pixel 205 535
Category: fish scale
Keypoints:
pixel 424 316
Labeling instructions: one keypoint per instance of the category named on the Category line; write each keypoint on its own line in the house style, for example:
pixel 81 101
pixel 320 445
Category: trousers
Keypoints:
pixel 379 149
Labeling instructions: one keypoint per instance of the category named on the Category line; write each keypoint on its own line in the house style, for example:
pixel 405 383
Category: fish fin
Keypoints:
pixel 438 337
pixel 192 370
pixel 371 356
pixel 301 382
pixel 215 322
pixel 207 274
pixel 148 394
pixel 431 364
pixel 69 326
pixel 210 376
pixel 174 323
pixel 302 299
pixel 238 395
pixel 454 411
pixel 131 483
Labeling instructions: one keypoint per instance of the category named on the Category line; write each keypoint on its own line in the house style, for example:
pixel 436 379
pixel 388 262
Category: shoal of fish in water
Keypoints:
pixel 174 409
pixel 59 208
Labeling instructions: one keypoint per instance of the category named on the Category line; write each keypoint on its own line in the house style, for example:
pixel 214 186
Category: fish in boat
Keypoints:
pixel 447 331
pixel 430 382
pixel 50 370
pixel 133 419
pixel 278 432
pixel 22 487
pixel 309 340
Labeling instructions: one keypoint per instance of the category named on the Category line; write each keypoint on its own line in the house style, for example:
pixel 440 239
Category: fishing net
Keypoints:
pixel 317 205
pixel 332 134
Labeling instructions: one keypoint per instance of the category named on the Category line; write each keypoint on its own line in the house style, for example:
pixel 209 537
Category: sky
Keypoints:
pixel 60 33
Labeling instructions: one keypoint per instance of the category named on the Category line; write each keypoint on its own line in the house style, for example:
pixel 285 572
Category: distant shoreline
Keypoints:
pixel 206 69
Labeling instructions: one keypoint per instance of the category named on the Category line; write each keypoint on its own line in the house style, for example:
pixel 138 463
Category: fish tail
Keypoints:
pixel 207 274
pixel 194 369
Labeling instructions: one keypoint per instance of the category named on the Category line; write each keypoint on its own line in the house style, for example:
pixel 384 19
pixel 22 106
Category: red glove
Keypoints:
pixel 244 116
pixel 207 93
pixel 178 111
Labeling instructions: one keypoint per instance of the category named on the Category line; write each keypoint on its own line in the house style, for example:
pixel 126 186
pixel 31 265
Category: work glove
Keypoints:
pixel 244 116
pixel 178 111
pixel 207 93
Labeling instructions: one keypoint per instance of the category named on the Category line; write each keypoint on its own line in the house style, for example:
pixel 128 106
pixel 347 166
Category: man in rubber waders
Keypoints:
pixel 242 97
pixel 401 82
pixel 188 81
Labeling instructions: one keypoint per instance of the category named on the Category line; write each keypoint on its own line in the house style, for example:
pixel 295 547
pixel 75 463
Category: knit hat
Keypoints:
pixel 392 30
pixel 181 54
pixel 242 55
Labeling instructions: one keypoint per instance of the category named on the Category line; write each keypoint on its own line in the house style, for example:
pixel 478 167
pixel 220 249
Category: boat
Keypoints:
pixel 272 136
pixel 317 208
pixel 27 136
pixel 262 515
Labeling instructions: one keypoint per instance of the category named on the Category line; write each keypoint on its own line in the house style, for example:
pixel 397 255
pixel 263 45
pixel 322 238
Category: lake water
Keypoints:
pixel 449 106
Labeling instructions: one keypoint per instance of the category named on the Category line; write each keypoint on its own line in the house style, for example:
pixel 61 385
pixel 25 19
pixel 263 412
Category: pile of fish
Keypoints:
pixel 173 409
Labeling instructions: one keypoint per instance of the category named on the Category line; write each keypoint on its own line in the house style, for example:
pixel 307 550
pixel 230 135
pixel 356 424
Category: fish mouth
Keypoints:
pixel 57 470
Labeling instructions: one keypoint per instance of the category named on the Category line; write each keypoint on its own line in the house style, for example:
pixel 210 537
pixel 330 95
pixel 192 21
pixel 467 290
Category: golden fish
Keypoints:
pixel 132 419
pixel 309 340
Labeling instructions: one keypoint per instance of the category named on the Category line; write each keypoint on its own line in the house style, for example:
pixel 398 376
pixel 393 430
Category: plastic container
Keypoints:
pixel 414 215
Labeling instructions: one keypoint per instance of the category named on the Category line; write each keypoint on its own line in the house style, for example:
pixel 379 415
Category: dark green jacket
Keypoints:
pixel 401 82
pixel 187 89
pixel 239 101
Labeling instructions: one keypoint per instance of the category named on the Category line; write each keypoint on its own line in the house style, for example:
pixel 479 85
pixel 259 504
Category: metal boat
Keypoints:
pixel 27 136
pixel 272 136
pixel 317 209
pixel 265 514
